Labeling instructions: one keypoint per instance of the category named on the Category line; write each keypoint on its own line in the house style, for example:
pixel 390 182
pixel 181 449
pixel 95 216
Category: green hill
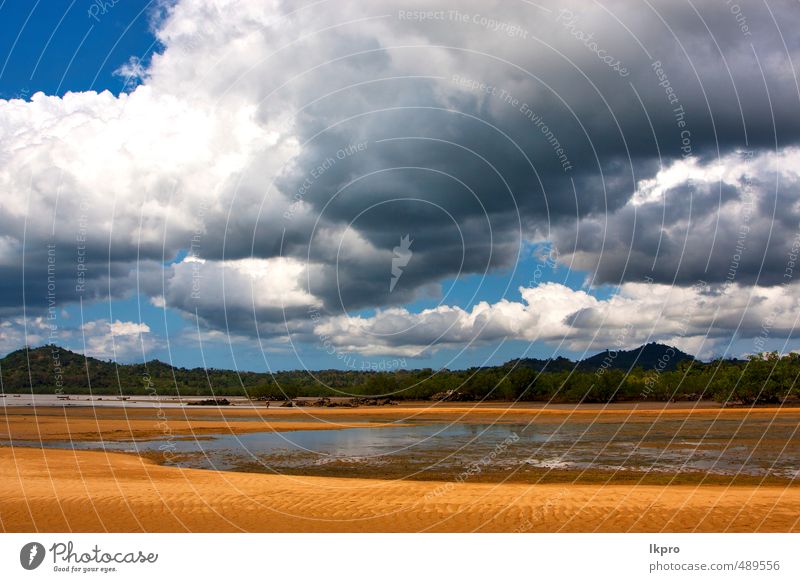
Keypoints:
pixel 650 356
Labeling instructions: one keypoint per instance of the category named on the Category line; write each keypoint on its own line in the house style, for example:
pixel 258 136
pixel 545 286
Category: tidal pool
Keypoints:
pixel 760 447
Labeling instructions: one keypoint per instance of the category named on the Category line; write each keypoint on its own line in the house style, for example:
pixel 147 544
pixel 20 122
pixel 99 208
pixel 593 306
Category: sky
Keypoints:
pixel 282 185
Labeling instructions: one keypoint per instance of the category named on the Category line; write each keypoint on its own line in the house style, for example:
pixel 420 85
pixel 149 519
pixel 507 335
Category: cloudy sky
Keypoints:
pixel 329 184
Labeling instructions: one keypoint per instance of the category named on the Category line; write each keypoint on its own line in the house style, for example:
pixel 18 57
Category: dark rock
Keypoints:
pixel 212 402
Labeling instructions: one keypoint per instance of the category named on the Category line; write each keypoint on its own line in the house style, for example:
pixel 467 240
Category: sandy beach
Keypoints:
pixel 63 490
pixel 57 490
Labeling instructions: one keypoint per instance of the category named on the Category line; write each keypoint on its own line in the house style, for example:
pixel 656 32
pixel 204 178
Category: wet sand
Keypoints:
pixel 85 422
pixel 55 423
pixel 61 490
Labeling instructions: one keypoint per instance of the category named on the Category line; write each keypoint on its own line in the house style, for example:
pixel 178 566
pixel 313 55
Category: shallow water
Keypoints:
pixel 755 447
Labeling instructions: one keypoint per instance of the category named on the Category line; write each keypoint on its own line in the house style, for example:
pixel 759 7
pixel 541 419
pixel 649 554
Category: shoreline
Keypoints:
pixel 52 427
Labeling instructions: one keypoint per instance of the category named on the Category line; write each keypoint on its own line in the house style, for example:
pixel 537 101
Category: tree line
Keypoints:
pixel 764 379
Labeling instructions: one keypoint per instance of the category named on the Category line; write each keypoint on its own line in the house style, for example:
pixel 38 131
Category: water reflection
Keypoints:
pixel 718 447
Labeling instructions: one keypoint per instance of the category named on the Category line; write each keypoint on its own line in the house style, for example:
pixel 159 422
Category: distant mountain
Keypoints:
pixel 51 368
pixel 649 357
pixel 49 365
pixel 48 369
pixel 646 357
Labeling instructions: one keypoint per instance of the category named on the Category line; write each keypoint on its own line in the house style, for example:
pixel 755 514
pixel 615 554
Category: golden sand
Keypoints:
pixel 61 490
pixel 58 490
pixel 86 423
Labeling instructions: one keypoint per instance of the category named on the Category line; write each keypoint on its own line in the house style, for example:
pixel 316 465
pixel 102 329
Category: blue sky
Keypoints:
pixel 183 348
pixel 57 51
pixel 58 46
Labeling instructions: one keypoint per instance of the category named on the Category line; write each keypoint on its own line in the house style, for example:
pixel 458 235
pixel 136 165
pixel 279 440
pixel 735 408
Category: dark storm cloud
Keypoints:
pixel 468 137
pixel 742 230
pixel 701 91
